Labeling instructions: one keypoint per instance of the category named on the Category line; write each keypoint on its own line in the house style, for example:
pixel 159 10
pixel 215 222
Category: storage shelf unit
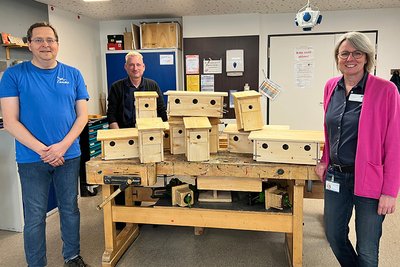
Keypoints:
pixel 10 46
pixel 90 147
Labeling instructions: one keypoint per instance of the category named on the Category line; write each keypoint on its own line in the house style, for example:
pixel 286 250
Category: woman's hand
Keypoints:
pixel 387 205
pixel 320 170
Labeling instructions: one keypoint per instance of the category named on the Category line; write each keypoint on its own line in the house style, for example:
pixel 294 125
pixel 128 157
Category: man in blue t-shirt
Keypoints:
pixel 44 106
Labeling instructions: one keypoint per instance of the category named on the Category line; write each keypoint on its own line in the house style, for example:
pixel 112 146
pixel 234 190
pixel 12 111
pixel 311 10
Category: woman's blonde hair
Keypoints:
pixel 361 43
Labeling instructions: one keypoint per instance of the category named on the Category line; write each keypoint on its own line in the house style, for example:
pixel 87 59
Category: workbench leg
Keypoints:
pixel 294 240
pixel 115 245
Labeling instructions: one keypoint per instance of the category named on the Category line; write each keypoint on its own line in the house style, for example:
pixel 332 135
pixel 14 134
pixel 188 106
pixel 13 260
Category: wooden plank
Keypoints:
pixel 215 196
pixel 214 137
pixel 241 220
pixel 110 232
pixel 234 170
pixel 149 124
pixel 145 94
pixel 246 94
pixel 125 239
pixel 229 184
pixel 113 134
pixel 192 93
pixel 288 135
pixel 297 258
pixel 97 169
pixel 196 123
pixel 220 164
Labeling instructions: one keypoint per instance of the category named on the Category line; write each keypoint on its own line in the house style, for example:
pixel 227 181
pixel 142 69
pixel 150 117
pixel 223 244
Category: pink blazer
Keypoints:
pixel 377 163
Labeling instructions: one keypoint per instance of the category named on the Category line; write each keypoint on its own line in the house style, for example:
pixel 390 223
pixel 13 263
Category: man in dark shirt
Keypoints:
pixel 121 101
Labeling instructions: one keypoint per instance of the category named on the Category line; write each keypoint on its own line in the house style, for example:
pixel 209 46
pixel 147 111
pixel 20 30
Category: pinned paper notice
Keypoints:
pixel 212 66
pixel 193 83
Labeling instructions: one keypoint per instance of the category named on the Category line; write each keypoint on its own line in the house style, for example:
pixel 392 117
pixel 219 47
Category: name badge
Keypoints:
pixel 356 98
pixel 332 186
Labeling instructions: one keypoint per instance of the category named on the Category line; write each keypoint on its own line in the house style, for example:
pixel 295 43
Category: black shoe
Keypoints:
pixel 76 262
pixel 85 192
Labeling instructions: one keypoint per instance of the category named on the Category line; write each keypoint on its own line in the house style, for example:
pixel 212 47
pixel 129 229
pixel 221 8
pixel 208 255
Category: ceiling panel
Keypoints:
pixel 148 9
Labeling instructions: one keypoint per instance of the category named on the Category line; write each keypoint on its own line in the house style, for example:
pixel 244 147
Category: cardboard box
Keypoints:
pixel 128 44
pixel 160 35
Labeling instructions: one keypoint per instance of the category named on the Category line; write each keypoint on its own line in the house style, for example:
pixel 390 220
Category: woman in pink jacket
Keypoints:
pixel 361 160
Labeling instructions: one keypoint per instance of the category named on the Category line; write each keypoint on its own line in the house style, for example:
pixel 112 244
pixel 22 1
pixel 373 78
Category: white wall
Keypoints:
pixel 80 48
pixel 83 41
pixel 386 21
pixel 222 25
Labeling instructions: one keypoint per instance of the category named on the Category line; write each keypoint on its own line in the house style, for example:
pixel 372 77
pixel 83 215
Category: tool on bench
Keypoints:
pixel 121 188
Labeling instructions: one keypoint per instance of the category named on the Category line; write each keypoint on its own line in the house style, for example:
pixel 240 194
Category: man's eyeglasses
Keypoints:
pixel 356 54
pixel 49 41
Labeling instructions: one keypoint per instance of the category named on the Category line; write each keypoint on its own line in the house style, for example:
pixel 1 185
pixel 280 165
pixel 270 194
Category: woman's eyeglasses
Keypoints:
pixel 356 54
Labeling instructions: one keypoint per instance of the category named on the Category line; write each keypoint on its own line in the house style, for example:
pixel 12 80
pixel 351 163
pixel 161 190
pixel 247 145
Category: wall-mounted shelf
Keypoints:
pixel 10 46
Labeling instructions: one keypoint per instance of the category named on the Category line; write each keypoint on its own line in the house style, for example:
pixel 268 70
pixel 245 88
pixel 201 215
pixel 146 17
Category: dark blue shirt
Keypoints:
pixel 129 106
pixel 342 119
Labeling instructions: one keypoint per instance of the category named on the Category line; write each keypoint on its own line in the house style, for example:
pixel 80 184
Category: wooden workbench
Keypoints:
pixel 220 165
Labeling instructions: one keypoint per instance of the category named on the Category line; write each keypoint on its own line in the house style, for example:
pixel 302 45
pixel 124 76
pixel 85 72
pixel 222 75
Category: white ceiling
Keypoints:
pixel 149 9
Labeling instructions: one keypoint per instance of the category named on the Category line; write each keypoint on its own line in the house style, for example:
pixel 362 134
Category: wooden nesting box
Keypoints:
pixel 274 198
pixel 182 195
pixel 177 135
pixel 214 134
pixel 195 104
pixel 238 140
pixel 248 110
pixel 197 138
pixel 287 146
pixel 146 104
pixel 167 145
pixel 119 143
pixel 151 135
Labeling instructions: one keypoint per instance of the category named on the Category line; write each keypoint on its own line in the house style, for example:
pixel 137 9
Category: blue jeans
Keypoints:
pixel 337 213
pixel 35 183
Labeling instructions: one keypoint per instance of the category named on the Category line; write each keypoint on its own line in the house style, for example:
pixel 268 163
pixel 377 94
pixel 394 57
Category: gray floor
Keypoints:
pixel 178 246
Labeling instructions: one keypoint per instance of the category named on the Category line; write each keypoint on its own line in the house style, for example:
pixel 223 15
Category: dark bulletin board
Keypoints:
pixel 215 48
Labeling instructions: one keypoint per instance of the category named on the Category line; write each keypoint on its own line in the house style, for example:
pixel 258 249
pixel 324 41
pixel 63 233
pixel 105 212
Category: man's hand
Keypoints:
pixel 114 125
pixel 54 154
pixel 387 205
pixel 320 170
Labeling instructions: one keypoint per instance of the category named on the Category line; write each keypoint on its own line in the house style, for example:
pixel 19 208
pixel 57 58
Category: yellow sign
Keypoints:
pixel 193 83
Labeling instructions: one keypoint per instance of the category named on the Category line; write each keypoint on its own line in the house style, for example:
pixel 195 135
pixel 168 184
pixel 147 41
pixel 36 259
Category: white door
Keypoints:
pixel 301 65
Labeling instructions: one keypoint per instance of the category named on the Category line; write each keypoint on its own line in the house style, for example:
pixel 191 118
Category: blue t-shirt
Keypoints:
pixel 47 102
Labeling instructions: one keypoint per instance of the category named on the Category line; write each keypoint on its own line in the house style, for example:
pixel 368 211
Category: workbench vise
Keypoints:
pixel 123 181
